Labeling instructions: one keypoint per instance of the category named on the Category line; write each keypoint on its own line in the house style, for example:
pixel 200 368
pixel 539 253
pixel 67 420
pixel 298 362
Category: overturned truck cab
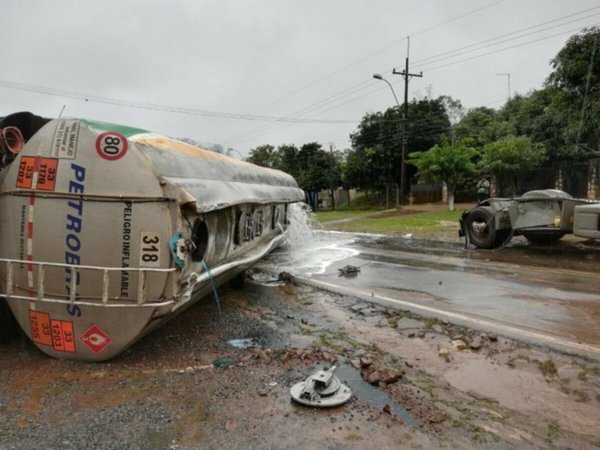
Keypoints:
pixel 542 216
pixel 108 231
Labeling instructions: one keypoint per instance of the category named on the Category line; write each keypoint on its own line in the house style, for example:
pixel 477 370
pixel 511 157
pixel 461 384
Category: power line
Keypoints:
pixel 489 5
pixel 467 59
pixel 158 107
pixel 506 48
pixel 256 133
pixel 382 49
pixel 458 52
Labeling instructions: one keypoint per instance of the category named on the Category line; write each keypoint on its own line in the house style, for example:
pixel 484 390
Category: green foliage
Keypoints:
pixel 576 77
pixel 375 158
pixel 428 123
pixel 445 162
pixel 553 127
pixel 426 224
pixel 265 155
pixel 548 368
pixel 480 125
pixel 510 157
pixel 315 168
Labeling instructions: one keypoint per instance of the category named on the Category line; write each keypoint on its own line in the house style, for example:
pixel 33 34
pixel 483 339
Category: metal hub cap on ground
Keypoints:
pixel 322 389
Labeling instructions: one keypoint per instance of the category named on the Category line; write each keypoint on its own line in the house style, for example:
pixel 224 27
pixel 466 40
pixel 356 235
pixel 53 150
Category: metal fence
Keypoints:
pixel 581 179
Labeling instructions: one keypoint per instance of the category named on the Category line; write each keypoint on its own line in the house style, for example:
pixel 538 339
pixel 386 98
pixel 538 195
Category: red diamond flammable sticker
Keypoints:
pixel 95 339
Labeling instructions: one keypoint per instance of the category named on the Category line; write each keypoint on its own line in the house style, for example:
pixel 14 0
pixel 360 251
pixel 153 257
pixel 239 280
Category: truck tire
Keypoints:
pixel 544 237
pixel 482 229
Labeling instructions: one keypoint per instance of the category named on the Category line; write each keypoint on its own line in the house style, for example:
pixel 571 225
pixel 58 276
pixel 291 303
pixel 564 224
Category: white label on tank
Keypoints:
pixel 64 145
pixel 150 247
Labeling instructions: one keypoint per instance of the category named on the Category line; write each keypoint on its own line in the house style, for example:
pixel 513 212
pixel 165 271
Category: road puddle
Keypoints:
pixel 484 379
pixel 372 395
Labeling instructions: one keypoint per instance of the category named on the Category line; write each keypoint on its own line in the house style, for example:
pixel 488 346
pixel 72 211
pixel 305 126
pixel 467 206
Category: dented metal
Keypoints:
pixel 108 231
pixel 541 216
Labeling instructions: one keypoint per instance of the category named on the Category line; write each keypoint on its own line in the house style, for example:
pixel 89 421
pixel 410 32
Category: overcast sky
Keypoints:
pixel 235 67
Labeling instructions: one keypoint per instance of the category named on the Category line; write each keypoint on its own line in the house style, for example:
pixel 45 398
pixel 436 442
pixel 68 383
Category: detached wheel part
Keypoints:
pixel 544 238
pixel 482 229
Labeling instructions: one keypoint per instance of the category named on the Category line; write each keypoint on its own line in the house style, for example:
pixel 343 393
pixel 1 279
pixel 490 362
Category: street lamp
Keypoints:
pixel 379 77
pixel 403 156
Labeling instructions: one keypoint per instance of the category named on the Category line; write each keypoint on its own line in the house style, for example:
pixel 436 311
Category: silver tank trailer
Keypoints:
pixel 109 231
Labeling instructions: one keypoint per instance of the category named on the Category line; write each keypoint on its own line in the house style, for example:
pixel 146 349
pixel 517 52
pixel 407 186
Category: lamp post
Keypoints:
pixel 402 156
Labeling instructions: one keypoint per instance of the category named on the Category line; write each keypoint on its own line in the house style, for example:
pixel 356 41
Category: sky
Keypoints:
pixel 246 73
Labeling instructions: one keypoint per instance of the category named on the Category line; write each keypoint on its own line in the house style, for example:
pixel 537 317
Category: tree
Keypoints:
pixel 266 156
pixel 480 125
pixel 509 158
pixel 378 139
pixel 576 76
pixel 449 164
pixel 377 144
pixel 314 170
pixel 288 155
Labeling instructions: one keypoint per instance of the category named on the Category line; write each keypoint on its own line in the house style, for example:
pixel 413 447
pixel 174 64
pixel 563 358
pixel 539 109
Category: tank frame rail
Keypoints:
pixel 73 300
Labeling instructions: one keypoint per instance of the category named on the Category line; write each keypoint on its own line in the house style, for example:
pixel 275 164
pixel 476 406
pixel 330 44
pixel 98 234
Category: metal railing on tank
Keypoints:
pixel 38 293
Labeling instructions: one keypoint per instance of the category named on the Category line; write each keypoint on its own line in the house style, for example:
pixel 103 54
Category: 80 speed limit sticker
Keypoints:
pixel 111 145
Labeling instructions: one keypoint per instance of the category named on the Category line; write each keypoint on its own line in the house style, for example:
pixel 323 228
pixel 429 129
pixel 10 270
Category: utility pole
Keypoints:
pixel 331 177
pixel 406 74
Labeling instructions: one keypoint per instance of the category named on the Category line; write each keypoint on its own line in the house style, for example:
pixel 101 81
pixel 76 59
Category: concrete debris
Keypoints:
pixel 459 344
pixel 384 322
pixel 475 343
pixel 385 375
pixel 444 352
pixel 365 362
pixel 407 323
pixel 438 328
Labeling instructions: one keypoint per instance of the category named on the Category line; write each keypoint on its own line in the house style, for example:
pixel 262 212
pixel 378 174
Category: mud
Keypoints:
pixel 165 392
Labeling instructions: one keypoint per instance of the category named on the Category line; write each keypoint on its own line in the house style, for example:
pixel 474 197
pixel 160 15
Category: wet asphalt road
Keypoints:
pixel 545 295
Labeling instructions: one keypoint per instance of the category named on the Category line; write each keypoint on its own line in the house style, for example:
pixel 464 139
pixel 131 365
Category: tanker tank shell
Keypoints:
pixel 113 230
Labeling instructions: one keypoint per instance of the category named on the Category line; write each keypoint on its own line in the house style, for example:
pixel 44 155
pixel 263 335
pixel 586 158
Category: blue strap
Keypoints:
pixel 214 287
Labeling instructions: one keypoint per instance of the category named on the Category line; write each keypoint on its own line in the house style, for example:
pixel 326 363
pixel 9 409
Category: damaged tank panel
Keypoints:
pixel 108 231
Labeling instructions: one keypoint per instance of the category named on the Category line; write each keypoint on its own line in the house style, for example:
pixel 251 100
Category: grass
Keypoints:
pixel 330 216
pixel 553 431
pixel 393 222
pixel 548 368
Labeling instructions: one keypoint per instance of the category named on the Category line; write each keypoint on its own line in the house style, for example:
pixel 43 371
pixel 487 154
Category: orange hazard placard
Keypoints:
pixel 62 336
pixel 39 323
pixel 26 169
pixel 46 169
pixel 47 174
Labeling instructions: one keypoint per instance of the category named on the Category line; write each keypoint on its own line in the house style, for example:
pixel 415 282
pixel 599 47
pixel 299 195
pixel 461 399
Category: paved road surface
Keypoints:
pixel 545 295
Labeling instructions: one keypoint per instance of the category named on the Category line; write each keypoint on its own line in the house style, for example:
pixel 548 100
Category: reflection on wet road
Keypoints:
pixel 554 292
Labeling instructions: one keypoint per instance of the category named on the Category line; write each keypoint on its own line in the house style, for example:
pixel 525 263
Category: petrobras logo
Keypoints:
pixel 74 226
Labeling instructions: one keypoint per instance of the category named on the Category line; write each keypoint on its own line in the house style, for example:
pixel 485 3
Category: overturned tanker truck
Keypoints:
pixel 108 231
pixel 542 216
